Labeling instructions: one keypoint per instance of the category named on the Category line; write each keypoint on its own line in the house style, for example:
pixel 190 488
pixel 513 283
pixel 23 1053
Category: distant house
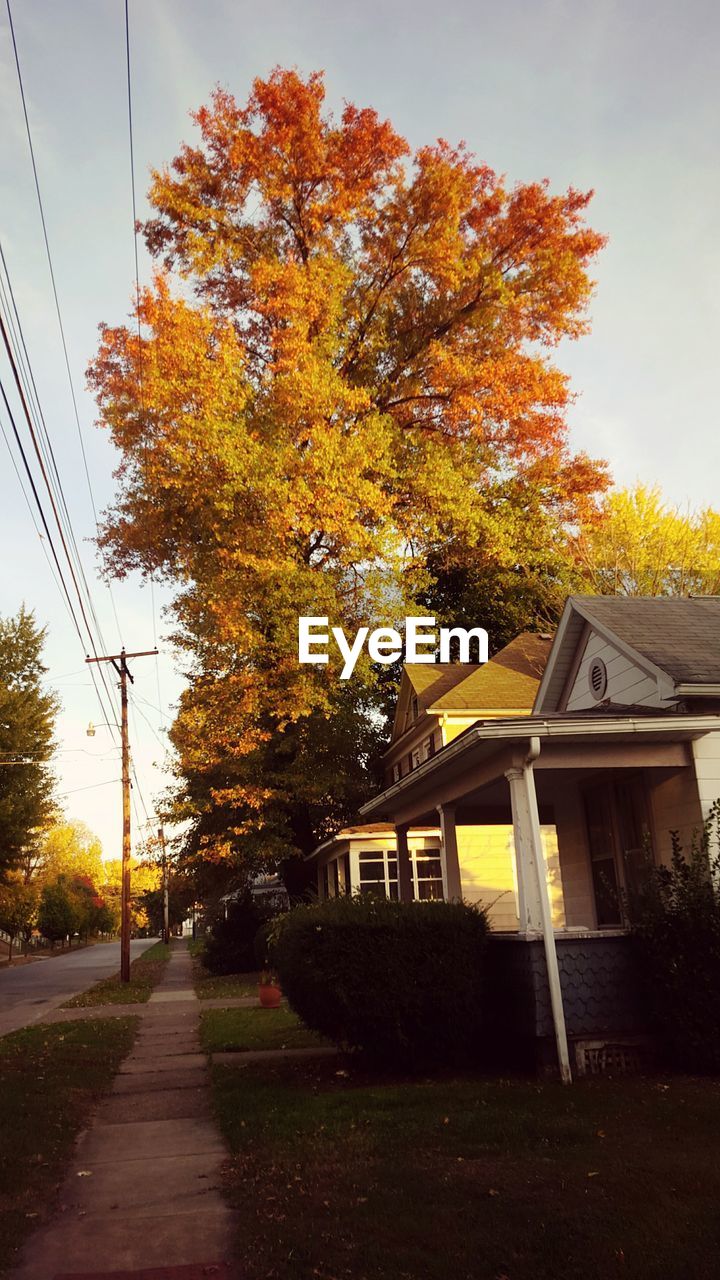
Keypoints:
pixel 549 804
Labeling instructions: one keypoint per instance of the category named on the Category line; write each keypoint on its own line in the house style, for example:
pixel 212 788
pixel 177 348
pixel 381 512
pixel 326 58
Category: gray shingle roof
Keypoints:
pixel 677 634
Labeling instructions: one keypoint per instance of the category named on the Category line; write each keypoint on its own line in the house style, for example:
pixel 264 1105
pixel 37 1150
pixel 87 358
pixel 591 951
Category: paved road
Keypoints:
pixel 30 990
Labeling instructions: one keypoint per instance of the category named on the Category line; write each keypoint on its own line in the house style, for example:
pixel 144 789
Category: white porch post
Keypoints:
pixel 529 908
pixel 534 891
pixel 405 879
pixel 450 863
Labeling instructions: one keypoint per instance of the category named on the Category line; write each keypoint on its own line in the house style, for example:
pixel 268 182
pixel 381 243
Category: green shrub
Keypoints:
pixel 402 981
pixel 229 946
pixel 675 916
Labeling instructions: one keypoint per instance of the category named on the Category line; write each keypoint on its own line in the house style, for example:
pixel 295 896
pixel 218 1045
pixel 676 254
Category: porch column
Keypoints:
pixel 452 884
pixel 405 880
pixel 529 909
pixel 534 899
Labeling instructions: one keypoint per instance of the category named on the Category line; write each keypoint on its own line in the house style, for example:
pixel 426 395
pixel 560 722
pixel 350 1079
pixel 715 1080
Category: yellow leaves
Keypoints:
pixel 636 544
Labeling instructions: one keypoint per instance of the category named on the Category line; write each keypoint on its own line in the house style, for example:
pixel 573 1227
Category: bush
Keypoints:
pixel 675 916
pixel 229 946
pixel 402 981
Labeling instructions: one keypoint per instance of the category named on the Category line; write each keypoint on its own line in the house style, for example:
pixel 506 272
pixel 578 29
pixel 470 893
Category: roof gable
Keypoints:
pixel 675 640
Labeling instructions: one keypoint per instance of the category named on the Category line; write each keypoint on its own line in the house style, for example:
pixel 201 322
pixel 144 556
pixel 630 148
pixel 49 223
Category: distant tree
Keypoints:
pixel 143 877
pixel 27 721
pixel 640 545
pixel 18 907
pixel 58 914
pixel 70 848
pixel 181 895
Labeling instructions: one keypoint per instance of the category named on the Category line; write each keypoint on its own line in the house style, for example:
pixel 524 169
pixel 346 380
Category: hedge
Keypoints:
pixel 229 946
pixel 401 981
pixel 675 915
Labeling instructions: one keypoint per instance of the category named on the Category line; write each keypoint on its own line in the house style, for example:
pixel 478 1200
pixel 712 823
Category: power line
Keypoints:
pixel 55 291
pixel 32 516
pixel 24 364
pixel 43 472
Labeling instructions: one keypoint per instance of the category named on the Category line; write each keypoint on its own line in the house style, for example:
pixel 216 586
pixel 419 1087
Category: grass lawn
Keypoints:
pixel 227 987
pixel 145 973
pixel 336 1176
pixel 240 1029
pixel 49 1079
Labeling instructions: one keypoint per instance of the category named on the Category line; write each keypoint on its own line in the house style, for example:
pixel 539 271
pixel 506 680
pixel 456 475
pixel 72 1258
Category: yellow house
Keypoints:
pixel 437 702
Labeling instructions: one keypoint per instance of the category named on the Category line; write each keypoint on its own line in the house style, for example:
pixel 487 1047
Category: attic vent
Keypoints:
pixel 597 678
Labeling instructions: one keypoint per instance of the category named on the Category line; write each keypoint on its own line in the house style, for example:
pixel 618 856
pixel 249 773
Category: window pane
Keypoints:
pixel 393 891
pixel 371 871
pixel 429 867
pixel 373 890
pixel 430 890
pixel 607 899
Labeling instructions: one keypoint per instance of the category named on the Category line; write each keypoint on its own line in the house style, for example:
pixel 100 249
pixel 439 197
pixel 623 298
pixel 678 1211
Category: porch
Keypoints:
pixel 577 799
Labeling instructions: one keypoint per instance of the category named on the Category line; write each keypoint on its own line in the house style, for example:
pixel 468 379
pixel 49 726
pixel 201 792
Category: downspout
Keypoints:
pixel 551 960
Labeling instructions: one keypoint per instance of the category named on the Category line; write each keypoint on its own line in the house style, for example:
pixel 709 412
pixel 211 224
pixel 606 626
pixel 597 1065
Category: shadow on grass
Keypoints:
pixel 337 1172
pixel 50 1077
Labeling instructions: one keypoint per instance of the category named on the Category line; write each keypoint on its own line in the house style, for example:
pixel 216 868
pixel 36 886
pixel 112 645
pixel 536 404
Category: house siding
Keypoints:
pixel 577 887
pixel 627 683
pixel 706 754
pixel 675 806
pixel 488 877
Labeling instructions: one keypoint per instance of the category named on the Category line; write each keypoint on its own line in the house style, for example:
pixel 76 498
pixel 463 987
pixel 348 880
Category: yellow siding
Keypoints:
pixel 453 726
pixel 487 872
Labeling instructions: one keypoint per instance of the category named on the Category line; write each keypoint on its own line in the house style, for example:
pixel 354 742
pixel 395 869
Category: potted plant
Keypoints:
pixel 270 993
pixel 269 986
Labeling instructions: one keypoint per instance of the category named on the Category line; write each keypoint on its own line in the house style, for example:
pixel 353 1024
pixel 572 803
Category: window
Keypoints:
pixel 415 710
pixel 427 875
pixel 396 774
pixel 619 839
pixel 416 758
pixel 378 873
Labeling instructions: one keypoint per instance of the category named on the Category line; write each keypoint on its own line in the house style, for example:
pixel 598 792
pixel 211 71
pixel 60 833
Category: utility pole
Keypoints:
pixel 166 898
pixel 119 661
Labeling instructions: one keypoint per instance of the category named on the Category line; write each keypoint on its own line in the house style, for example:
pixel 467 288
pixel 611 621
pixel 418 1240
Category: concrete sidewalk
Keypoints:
pixel 143 1190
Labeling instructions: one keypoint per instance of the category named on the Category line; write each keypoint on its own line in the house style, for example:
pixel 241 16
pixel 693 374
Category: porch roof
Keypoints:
pixel 485 750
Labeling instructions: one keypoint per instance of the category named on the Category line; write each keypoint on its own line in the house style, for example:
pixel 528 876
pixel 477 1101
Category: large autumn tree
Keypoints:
pixel 343 362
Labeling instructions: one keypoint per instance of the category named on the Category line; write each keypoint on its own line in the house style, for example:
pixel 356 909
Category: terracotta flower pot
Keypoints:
pixel 270 995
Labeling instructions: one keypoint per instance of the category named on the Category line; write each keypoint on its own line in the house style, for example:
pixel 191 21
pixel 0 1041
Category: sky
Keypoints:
pixel 621 97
